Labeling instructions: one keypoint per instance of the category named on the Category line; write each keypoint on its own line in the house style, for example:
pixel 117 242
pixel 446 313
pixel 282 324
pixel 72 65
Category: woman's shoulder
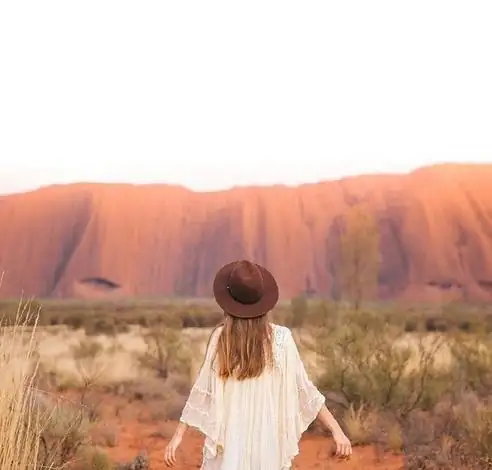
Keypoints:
pixel 280 333
pixel 214 334
pixel 217 330
pixel 281 328
pixel 278 327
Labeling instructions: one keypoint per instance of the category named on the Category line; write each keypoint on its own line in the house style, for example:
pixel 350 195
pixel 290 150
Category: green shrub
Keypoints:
pixel 472 362
pixel 166 353
pixel 371 362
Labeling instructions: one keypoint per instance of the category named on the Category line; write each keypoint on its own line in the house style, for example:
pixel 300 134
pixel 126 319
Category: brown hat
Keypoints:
pixel 245 290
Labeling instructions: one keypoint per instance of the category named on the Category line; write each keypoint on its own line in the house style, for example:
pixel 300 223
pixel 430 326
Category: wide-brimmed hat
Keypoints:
pixel 245 290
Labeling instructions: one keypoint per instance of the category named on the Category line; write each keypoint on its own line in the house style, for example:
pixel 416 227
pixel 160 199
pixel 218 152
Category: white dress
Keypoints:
pixel 254 424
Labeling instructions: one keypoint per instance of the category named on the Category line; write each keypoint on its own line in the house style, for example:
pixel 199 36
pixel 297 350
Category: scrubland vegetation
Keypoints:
pixel 410 380
pixel 423 395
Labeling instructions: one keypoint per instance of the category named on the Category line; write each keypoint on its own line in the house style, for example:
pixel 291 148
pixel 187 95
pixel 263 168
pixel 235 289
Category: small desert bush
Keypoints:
pixel 93 458
pixel 166 353
pixel 472 365
pixel 65 431
pixel 358 423
pixel 90 363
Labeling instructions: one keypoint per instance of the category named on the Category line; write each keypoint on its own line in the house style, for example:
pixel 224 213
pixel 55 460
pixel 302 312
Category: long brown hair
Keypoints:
pixel 244 347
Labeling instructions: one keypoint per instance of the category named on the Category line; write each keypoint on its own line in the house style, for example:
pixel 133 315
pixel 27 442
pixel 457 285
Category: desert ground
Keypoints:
pixel 410 394
pixel 138 432
pixel 129 426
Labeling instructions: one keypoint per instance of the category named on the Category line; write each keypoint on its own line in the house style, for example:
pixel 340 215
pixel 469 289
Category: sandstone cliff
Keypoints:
pixel 89 240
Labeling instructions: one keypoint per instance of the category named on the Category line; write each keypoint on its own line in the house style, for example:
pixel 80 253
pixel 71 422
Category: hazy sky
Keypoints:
pixel 213 94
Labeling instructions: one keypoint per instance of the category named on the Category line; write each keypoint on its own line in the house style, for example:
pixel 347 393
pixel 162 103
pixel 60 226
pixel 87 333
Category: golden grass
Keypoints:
pixel 37 432
pixel 359 424
pixel 20 429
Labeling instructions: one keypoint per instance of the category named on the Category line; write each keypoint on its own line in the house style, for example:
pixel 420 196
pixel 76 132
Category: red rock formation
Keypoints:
pixel 93 240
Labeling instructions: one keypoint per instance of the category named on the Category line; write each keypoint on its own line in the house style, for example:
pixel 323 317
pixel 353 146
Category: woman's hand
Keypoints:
pixel 170 450
pixel 344 448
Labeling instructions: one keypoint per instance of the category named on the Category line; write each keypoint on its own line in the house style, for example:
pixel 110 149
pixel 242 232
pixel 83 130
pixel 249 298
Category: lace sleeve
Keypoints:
pixel 310 399
pixel 200 410
pixel 300 400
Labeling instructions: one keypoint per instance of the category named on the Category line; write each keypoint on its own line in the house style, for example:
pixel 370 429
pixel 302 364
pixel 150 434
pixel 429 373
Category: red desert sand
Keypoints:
pixel 315 450
pixel 137 427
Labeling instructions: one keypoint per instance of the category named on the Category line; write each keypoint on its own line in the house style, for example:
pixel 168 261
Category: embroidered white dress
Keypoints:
pixel 254 424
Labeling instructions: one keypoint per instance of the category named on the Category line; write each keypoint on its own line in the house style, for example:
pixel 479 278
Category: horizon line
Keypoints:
pixel 243 186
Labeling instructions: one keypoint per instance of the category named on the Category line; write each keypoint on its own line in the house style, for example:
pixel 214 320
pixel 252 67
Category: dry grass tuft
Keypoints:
pixel 38 432
pixel 93 458
pixel 358 424
pixel 20 427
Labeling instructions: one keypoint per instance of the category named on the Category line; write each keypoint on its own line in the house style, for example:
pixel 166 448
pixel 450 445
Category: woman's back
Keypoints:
pixel 252 398
pixel 256 425
pixel 251 419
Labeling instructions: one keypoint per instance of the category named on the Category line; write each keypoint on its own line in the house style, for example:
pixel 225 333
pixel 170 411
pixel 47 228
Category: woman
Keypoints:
pixel 252 399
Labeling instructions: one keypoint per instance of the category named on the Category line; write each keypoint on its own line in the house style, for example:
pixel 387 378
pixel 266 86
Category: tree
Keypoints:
pixel 360 256
pixel 166 352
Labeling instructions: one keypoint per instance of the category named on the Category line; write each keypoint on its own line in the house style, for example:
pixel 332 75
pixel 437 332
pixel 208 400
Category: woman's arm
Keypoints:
pixel 311 400
pixel 180 431
pixel 329 421
pixel 199 396
pixel 174 443
pixel 344 448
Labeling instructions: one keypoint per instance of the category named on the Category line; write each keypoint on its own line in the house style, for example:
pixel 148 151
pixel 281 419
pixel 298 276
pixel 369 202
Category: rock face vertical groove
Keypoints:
pixel 98 240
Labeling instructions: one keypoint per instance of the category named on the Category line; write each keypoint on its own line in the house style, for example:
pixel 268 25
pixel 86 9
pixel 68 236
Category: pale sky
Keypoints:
pixel 213 94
